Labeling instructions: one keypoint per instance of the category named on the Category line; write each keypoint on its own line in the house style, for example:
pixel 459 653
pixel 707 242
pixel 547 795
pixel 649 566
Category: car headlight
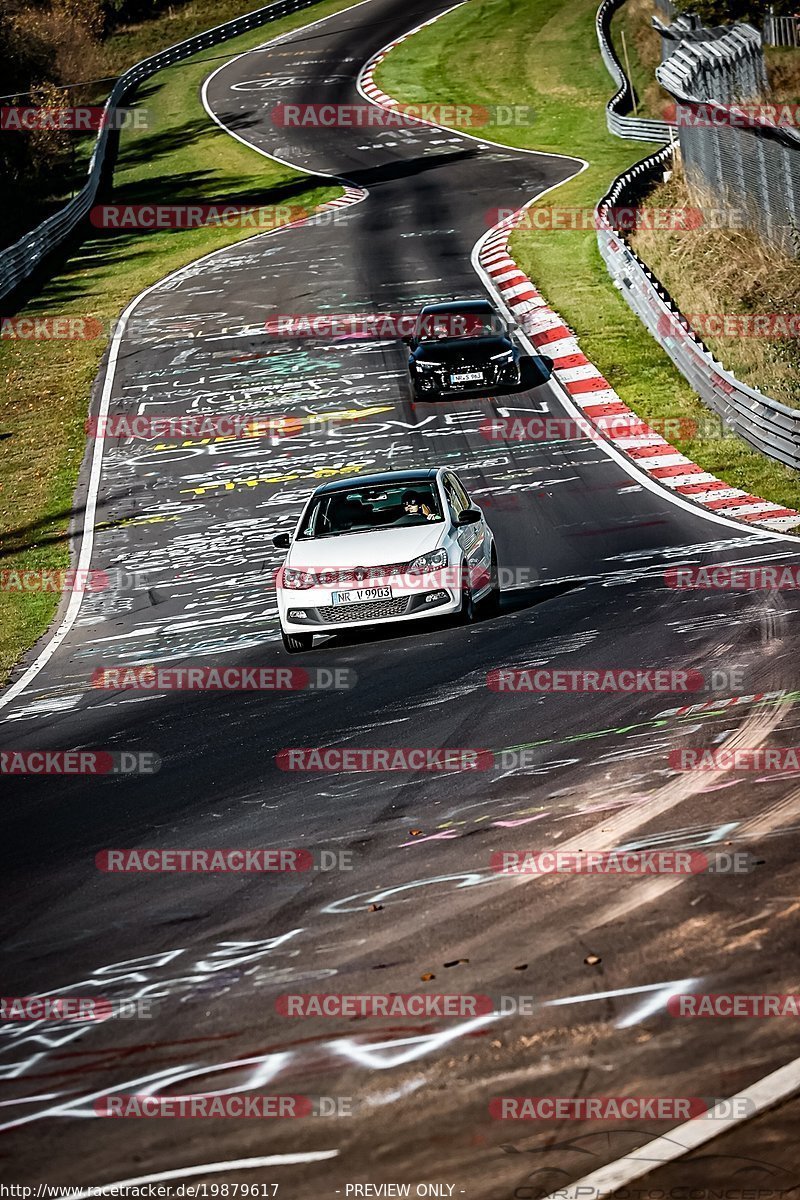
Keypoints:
pixel 299 580
pixel 424 365
pixel 428 562
pixel 504 356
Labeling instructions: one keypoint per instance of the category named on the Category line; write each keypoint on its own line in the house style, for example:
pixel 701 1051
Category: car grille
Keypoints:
pixel 371 611
pixel 367 576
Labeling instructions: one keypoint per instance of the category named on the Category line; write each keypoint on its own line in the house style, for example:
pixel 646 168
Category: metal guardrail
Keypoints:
pixel 639 129
pixel 18 262
pixel 781 31
pixel 766 424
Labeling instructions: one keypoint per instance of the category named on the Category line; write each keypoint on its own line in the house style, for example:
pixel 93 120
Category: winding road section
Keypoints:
pixel 413 904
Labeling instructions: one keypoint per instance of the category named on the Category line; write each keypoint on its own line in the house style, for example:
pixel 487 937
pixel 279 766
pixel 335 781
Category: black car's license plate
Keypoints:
pixel 466 376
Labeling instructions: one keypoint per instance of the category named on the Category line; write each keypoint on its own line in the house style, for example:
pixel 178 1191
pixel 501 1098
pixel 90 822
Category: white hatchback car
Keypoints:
pixel 398 546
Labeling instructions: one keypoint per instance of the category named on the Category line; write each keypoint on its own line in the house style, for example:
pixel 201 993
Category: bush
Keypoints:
pixel 725 12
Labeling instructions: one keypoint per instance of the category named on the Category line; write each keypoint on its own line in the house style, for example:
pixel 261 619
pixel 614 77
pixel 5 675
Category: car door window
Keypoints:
pixel 455 496
pixel 459 491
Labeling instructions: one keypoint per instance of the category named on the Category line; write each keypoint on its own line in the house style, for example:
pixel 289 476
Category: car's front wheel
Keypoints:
pixel 295 643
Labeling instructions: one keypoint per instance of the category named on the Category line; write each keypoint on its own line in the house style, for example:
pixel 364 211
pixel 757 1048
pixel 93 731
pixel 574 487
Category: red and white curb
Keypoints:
pixel 350 195
pixel 583 381
pixel 366 80
pixel 600 403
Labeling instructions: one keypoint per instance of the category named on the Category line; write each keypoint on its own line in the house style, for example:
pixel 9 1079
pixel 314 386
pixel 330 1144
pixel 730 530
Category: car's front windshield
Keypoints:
pixel 439 326
pixel 374 506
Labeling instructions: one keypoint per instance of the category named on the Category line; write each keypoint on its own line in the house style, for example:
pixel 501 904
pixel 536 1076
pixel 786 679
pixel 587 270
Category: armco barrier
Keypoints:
pixel 581 380
pixel 726 68
pixel 19 261
pixel 639 129
pixel 769 426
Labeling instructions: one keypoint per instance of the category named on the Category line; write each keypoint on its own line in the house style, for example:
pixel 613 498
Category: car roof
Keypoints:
pixel 481 306
pixel 341 485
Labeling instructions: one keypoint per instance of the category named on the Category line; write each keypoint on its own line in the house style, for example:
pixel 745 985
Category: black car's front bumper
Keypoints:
pixel 437 382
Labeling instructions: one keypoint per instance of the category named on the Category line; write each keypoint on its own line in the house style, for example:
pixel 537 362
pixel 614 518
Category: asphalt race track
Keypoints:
pixel 585 543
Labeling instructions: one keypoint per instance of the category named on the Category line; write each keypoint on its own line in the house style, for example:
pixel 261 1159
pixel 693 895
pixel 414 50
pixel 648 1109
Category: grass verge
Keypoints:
pixel 634 20
pixel 505 51
pixel 43 404
pixel 115 53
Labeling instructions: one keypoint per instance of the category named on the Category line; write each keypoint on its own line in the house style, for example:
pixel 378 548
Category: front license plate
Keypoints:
pixel 465 376
pixel 361 595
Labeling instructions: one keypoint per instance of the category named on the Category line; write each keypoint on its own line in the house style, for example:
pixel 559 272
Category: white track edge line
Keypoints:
pixel 86 533
pixel 628 464
pixel 607 445
pixel 255 50
pixel 236 1164
pixel 762 1095
pixel 372 62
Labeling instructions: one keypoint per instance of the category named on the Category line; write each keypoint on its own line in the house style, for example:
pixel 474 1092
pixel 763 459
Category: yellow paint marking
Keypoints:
pixel 230 485
pixel 123 521
pixel 276 427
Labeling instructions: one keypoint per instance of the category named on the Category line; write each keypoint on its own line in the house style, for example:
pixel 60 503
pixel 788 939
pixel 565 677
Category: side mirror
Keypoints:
pixel 468 516
pixel 282 540
pixel 410 341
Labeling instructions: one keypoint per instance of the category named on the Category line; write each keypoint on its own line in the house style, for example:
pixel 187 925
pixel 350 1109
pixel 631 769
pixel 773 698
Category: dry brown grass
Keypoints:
pixel 66 33
pixel 710 270
pixel 783 68
pixel 647 40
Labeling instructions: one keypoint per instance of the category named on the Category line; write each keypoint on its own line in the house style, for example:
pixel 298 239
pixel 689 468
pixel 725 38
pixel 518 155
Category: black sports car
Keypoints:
pixel 466 346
